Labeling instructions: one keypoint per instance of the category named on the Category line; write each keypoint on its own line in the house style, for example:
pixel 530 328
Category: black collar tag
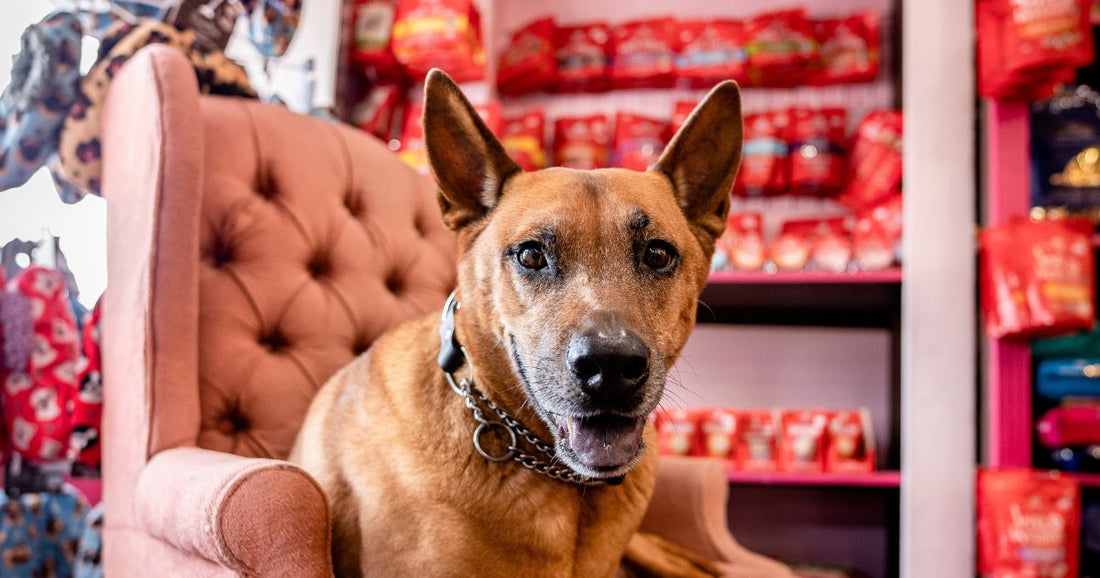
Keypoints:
pixel 450 357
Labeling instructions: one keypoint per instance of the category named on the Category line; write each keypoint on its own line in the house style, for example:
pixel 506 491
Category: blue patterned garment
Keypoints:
pixel 88 563
pixel 39 533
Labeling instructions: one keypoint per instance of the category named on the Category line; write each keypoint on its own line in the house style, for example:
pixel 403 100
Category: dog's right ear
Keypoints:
pixel 469 163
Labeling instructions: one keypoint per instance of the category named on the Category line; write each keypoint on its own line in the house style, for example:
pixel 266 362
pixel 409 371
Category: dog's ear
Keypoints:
pixel 469 163
pixel 702 160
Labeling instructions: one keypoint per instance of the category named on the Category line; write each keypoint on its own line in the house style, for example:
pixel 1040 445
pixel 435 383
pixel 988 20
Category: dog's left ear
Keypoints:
pixel 702 160
pixel 469 163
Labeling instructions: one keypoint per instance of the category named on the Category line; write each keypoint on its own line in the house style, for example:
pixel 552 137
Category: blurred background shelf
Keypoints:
pixel 882 479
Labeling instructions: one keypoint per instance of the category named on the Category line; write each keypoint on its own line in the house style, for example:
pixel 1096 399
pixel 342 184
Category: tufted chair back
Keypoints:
pixel 252 253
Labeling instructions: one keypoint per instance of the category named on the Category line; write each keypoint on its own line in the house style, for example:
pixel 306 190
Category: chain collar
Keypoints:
pixel 452 356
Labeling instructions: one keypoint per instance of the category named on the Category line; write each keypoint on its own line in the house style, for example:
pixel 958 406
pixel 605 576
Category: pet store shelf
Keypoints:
pixel 886 276
pixel 883 479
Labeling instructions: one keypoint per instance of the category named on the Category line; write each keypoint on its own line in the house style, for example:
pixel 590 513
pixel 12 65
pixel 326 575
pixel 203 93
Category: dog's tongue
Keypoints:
pixel 605 441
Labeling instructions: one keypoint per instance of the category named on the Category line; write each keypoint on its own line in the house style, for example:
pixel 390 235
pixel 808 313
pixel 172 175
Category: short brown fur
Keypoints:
pixel 389 440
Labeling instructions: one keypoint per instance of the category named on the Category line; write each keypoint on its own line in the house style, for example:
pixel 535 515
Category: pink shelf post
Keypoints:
pixel 1009 363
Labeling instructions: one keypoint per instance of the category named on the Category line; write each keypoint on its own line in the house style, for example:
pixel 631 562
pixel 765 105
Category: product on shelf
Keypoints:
pixel 1065 150
pixel 756 442
pixel 817 161
pixel 1037 278
pixel 874 162
pixel 710 51
pixel 677 432
pixel 583 56
pixel 802 440
pixel 1074 425
pixel 639 141
pixel 524 137
pixel 1028 524
pixel 442 34
pixel 681 110
pixel 412 149
pixel 831 252
pixel 529 64
pixel 851 447
pixel 380 112
pixel 1060 378
pixel 582 142
pixel 742 244
pixel 876 235
pixel 1077 459
pixel 372 26
pixel 644 53
pixel 790 251
pixel 849 49
pixel 718 434
pixel 764 155
pixel 781 48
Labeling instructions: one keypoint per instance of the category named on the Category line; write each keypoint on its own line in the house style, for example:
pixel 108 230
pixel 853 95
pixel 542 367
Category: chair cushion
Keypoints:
pixel 314 241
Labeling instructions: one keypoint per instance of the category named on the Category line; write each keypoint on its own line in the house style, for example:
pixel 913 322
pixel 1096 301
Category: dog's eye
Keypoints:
pixel 659 256
pixel 531 256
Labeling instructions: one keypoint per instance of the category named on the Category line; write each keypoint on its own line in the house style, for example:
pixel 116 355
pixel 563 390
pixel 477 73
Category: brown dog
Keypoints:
pixel 577 291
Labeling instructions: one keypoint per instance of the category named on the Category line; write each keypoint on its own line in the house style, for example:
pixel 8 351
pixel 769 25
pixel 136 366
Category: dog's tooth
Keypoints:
pixel 571 424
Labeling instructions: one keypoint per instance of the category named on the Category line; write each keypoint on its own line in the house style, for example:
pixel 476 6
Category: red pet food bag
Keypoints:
pixel 802 440
pixel 439 33
pixel 644 53
pixel 718 434
pixel 529 64
pixel 371 37
pixel 583 54
pixel 379 113
pixel 874 165
pixel 781 48
pixel 639 141
pixel 851 446
pixel 582 142
pixel 1028 524
pixel 747 251
pixel 876 235
pixel 817 160
pixel 413 150
pixel 849 49
pixel 710 51
pixel 756 441
pixel 525 140
pixel 681 110
pixel 1037 278
pixel 677 432
pixel 764 156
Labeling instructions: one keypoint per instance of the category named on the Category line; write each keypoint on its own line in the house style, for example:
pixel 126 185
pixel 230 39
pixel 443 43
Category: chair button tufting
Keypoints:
pixel 361 345
pixel 354 204
pixel 274 341
pixel 233 422
pixel 222 252
pixel 395 282
pixel 319 266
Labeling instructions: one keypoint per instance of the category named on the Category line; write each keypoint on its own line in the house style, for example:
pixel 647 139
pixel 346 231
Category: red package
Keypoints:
pixel 851 446
pixel 790 251
pixel 710 51
pixel 874 165
pixel 764 156
pixel 756 441
pixel 817 151
pixel 831 252
pixel 582 142
pixel 781 48
pixel 639 141
pixel 718 434
pixel 677 432
pixel 644 53
pixel 372 25
pixel 1076 425
pixel 746 244
pixel 379 113
pixel 681 110
pixel 442 34
pixel 524 138
pixel 583 53
pixel 802 440
pixel 849 49
pixel 1037 278
pixel 529 64
pixel 876 235
pixel 1028 524
pixel 412 149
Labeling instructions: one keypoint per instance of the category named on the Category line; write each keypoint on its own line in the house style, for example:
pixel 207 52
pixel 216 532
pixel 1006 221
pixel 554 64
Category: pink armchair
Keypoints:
pixel 253 252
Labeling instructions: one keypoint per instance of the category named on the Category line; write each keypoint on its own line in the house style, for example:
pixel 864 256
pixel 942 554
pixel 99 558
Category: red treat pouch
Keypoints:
pixel 849 49
pixel 439 33
pixel 1028 524
pixel 639 141
pixel 582 142
pixel 525 140
pixel 790 251
pixel 876 235
pixel 747 251
pixel 831 252
pixel 644 53
pixel 1037 278
pixel 802 440
pixel 710 51
pixel 681 110
pixel 372 31
pixel 582 54
pixel 1042 34
pixel 529 64
pixel 378 113
pixel 781 47
pixel 817 151
pixel 719 433
pixel 851 446
pixel 756 441
pixel 677 432
pixel 764 155
pixel 874 165
pixel 412 149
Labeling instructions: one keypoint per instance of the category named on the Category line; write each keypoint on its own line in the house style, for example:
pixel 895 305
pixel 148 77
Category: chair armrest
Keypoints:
pixel 689 509
pixel 257 517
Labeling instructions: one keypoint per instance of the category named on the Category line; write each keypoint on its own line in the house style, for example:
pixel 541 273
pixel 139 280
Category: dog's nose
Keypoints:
pixel 607 359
